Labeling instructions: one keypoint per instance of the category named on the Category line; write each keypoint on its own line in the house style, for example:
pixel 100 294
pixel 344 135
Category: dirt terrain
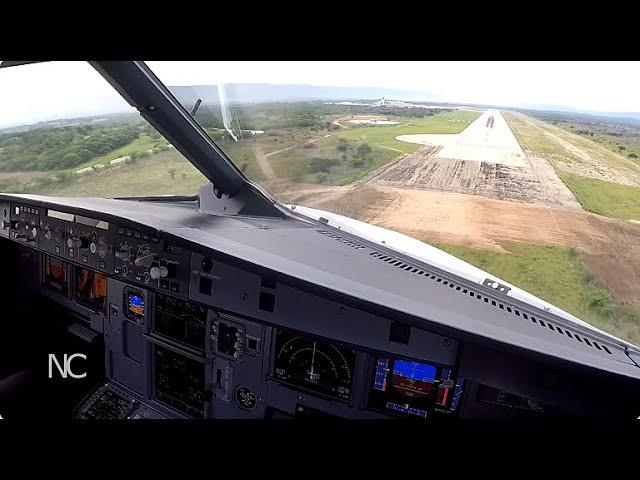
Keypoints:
pixel 486 205
pixel 611 247
pixel 534 182
pixel 593 160
pixel 21 176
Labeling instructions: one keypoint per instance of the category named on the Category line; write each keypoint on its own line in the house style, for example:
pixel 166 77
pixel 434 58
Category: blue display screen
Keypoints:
pixel 135 300
pixel 414 370
pixel 414 388
pixel 136 304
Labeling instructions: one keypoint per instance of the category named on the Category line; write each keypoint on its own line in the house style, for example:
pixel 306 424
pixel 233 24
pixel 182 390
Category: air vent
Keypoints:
pixel 511 309
pixel 342 239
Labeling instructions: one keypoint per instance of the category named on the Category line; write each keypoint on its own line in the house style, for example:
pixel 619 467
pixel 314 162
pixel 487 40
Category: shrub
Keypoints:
pixel 358 162
pixel 318 164
pixel 363 150
pixel 322 177
pixel 600 301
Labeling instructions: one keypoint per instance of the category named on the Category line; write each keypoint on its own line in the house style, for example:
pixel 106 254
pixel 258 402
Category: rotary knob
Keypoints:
pixel 124 253
pixel 144 258
pixel 158 272
pixel 74 242
pixel 102 248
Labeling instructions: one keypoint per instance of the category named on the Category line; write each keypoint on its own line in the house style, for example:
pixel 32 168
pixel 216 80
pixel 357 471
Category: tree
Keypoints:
pixel 342 145
pixel 363 150
pixel 71 159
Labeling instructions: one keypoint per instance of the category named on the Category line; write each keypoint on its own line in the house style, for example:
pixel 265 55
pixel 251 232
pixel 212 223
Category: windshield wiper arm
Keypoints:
pixel 231 190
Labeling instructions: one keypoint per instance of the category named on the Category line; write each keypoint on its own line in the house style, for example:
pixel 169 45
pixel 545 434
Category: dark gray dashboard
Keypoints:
pixel 239 300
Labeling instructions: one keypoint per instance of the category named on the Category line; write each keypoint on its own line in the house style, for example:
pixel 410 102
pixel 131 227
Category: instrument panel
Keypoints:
pixel 192 354
pixel 412 388
pixel 314 364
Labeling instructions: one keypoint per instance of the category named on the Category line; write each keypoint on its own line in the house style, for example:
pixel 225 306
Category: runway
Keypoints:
pixel 488 139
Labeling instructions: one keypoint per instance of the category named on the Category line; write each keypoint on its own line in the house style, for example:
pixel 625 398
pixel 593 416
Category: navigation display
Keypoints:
pixel 56 274
pixel 414 388
pixel 314 364
pixel 91 289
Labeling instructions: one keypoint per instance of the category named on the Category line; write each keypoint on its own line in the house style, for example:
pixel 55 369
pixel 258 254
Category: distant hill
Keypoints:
pixel 264 92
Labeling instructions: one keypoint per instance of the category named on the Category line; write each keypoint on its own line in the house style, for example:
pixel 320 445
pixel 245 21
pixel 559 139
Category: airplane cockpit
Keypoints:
pixel 228 304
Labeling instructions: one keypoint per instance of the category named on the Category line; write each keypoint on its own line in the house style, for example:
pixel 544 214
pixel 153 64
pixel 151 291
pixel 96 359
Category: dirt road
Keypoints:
pixel 21 176
pixel 533 182
pixel 263 158
pixel 263 163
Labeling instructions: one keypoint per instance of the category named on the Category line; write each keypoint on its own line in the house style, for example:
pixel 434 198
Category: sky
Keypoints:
pixel 52 90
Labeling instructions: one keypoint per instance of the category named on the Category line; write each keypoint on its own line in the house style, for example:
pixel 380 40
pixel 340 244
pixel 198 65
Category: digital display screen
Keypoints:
pixel 179 382
pixel 180 320
pixel 135 303
pixel 91 289
pixel 414 388
pixel 314 364
pixel 56 274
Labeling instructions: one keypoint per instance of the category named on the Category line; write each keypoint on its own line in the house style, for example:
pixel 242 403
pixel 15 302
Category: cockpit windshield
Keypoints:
pixel 529 171
pixel 65 131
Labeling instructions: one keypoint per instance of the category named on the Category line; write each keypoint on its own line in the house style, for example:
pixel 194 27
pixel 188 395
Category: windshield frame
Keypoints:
pixel 143 90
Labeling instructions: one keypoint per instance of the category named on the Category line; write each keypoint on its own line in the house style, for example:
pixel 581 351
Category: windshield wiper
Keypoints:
pixel 231 191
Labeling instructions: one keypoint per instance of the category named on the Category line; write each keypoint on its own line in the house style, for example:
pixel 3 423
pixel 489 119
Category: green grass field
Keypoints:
pixel 559 276
pixel 298 163
pixel 146 176
pixel 537 138
pixel 626 143
pixel 384 135
pixel 604 198
pixel 142 143
pixel 532 139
